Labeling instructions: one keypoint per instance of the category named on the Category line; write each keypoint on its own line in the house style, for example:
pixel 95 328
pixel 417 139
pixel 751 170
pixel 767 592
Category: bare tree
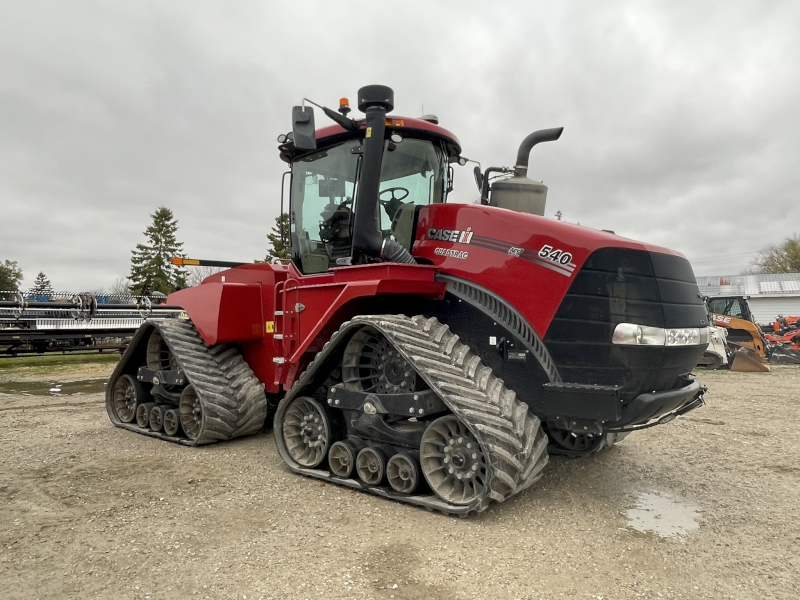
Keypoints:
pixel 121 286
pixel 195 275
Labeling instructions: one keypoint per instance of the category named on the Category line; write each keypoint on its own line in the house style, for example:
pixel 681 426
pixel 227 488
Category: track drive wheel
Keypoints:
pixel 372 364
pixel 159 356
pixel 452 461
pixel 306 431
pixel 128 395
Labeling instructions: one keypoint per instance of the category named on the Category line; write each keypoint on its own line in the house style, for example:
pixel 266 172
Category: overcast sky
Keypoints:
pixel 682 119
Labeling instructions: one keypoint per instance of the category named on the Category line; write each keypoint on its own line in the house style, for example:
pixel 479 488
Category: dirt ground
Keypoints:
pixel 707 506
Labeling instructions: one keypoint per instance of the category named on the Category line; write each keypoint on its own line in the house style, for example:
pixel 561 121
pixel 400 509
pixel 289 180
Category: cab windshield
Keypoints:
pixel 325 185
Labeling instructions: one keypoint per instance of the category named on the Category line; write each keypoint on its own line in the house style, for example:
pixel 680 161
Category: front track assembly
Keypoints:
pixel 169 384
pixel 401 408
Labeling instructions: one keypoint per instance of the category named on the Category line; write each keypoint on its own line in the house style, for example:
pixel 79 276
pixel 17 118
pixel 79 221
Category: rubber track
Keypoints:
pixel 513 441
pixel 232 398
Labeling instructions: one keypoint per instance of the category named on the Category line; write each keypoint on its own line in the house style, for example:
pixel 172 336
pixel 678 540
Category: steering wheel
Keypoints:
pixel 393 198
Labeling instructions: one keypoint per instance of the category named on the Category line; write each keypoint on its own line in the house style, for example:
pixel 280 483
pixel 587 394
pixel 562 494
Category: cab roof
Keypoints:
pixel 416 128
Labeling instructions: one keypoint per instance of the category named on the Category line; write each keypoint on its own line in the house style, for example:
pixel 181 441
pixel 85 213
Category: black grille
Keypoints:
pixel 620 285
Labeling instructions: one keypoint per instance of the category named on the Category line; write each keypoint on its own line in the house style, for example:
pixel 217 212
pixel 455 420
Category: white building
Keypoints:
pixel 768 295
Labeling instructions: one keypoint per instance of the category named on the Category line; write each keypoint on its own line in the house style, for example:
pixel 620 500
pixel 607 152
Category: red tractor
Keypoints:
pixel 427 352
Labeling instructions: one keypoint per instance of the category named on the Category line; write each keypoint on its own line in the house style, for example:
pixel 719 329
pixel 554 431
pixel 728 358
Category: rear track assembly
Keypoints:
pixel 221 398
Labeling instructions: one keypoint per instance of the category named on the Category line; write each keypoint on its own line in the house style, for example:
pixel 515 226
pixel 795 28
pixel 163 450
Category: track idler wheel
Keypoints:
pixel 128 395
pixel 452 461
pixel 191 412
pixel 306 432
pixel 143 413
pixel 342 458
pixel 172 421
pixel 402 473
pixel 371 465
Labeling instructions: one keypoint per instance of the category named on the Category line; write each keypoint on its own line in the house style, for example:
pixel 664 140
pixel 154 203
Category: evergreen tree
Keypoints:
pixel 42 287
pixel 10 276
pixel 151 264
pixel 279 238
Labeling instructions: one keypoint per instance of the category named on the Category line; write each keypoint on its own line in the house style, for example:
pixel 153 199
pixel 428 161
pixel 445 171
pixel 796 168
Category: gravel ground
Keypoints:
pixel 707 506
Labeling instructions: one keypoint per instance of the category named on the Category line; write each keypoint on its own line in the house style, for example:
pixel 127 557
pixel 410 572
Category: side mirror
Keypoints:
pixel 303 128
pixel 478 178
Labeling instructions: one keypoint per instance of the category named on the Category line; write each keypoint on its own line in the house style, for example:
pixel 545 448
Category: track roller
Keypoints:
pixel 342 458
pixel 371 465
pixel 143 414
pixel 172 421
pixel 403 473
pixel 157 416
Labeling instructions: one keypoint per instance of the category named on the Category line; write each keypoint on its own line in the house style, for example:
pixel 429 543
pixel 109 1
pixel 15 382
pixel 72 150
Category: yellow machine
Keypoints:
pixel 744 335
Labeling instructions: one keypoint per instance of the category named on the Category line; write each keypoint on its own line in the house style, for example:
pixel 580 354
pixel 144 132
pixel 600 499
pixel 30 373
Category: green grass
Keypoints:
pixel 56 362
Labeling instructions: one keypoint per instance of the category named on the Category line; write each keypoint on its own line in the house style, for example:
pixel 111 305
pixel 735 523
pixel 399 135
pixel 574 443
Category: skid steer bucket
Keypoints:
pixel 747 360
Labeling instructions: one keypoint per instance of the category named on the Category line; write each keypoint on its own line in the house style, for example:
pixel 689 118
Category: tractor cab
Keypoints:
pixel 336 168
pixel 413 173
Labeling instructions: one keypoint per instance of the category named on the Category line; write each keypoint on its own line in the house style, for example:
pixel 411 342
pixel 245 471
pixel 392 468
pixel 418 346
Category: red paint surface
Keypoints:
pixel 535 291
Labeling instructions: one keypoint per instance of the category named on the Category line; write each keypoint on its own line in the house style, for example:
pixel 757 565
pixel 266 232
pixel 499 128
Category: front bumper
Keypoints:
pixel 598 409
pixel 660 407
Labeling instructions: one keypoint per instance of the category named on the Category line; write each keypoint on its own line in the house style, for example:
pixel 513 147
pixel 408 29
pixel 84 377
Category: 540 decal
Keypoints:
pixel 555 255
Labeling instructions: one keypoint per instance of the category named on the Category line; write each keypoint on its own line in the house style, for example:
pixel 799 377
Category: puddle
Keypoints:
pixel 49 388
pixel 663 514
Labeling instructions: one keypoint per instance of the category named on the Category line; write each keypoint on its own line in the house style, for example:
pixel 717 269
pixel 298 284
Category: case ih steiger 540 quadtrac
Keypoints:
pixel 423 351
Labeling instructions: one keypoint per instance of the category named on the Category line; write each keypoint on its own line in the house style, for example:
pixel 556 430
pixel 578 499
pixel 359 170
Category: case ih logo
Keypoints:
pixel 451 235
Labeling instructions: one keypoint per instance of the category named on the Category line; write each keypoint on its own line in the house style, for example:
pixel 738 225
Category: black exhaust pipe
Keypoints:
pixel 537 137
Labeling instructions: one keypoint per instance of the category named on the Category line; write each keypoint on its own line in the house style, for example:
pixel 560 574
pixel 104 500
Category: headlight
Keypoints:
pixel 630 334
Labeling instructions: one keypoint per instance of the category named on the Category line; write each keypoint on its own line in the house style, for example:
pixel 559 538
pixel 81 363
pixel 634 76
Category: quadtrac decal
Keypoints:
pixel 450 253
pixel 549 257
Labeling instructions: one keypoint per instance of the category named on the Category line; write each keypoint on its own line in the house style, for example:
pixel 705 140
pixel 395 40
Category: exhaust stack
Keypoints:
pixel 519 193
